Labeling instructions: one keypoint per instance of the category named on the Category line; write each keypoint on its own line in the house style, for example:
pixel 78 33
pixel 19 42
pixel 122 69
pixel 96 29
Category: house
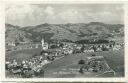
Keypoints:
pixel 88 49
pixel 11 44
pixel 98 49
pixel 117 47
pixel 79 47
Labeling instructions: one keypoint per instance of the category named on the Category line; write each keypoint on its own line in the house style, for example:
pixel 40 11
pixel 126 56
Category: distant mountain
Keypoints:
pixel 70 32
pixel 15 34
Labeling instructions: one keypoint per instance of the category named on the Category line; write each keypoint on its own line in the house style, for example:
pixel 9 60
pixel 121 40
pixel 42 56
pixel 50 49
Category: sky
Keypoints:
pixel 34 14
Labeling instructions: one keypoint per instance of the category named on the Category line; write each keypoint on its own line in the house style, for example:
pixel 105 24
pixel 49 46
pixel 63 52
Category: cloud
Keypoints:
pixel 18 13
pixel 27 15
pixel 49 10
pixel 71 16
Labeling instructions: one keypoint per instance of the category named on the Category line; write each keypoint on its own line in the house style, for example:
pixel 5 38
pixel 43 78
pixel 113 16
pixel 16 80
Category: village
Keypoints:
pixel 68 47
pixel 34 66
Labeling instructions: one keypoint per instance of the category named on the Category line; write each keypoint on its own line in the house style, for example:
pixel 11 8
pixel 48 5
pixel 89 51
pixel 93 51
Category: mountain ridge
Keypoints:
pixel 71 32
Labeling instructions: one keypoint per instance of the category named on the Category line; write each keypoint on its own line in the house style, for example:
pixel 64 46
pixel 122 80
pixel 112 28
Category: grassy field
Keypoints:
pixel 22 54
pixel 115 60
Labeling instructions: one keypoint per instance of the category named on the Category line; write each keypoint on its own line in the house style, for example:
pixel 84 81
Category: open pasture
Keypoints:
pixel 115 60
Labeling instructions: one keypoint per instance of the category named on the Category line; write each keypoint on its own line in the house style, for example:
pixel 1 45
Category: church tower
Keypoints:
pixel 42 42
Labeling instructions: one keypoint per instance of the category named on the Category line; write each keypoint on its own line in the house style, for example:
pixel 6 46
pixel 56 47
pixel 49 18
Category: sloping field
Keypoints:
pixel 114 59
pixel 22 54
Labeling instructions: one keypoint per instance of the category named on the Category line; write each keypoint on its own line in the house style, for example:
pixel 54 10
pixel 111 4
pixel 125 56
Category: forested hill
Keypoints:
pixel 66 32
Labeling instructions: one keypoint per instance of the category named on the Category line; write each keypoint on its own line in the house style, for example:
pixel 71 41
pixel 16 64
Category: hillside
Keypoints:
pixel 14 34
pixel 115 62
pixel 70 32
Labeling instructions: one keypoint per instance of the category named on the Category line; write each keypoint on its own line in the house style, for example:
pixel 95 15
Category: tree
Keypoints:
pixel 82 49
pixel 81 70
pixel 93 55
pixel 81 62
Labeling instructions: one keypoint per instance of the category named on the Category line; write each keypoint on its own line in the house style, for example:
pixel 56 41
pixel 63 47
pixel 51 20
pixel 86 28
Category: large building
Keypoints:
pixel 44 45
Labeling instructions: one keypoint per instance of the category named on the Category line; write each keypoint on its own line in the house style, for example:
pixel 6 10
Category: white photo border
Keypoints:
pixel 2 43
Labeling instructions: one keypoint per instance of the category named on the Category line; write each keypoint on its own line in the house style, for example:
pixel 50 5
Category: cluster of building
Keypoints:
pixel 68 48
pixel 27 68
pixel 92 64
pixel 34 65
pixel 78 48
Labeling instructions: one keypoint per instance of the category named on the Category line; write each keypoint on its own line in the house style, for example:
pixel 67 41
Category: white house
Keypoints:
pixel 117 47
pixel 11 43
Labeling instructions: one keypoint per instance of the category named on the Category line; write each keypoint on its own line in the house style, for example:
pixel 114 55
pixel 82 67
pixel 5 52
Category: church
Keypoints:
pixel 44 45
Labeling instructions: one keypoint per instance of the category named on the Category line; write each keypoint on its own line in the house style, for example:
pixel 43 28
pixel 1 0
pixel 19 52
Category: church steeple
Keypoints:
pixel 42 42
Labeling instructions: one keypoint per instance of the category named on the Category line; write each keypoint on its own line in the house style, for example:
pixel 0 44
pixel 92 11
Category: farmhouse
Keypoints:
pixel 11 43
pixel 117 47
pixel 88 49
